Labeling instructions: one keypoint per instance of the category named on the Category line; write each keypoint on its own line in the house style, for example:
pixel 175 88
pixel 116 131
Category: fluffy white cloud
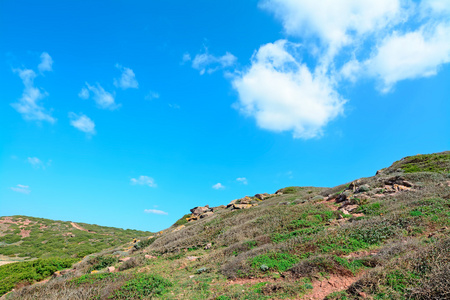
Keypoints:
pixel 410 55
pixel 144 180
pixel 20 188
pixel 102 98
pixel 283 95
pixel 127 79
pixel 155 211
pixel 335 23
pixel 46 62
pixel 218 186
pixel 205 62
pixel 384 40
pixel 82 123
pixel 28 105
pixel 242 180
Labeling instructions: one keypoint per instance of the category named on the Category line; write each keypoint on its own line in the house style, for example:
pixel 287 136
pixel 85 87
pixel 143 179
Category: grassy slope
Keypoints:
pixel 394 245
pixel 48 238
pixel 56 244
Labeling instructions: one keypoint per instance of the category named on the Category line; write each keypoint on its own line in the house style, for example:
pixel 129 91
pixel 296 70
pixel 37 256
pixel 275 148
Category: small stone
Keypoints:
pixel 111 269
pixel 208 246
pixel 125 258
pixel 351 208
pixel 192 258
pixel 191 276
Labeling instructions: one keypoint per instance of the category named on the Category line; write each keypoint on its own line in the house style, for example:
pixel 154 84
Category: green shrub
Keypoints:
pixel 30 271
pixel 144 286
pixel 101 262
pixel 275 261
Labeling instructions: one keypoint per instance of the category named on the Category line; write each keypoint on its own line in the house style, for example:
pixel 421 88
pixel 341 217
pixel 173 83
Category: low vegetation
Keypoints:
pixel 381 237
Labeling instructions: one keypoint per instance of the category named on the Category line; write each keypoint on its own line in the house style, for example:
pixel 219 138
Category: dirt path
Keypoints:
pixel 74 225
pixel 335 283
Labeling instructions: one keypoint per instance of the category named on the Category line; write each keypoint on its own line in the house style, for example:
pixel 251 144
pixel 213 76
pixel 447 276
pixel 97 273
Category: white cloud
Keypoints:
pixel 335 23
pixel 152 95
pixel 205 62
pixel 28 105
pixel 102 98
pixel 383 40
pixel 186 58
pixel 410 55
pixel 127 80
pixel 174 106
pixel 82 123
pixel 84 93
pixel 218 186
pixel 46 63
pixel 20 188
pixel 283 95
pixel 242 180
pixel 155 211
pixel 36 162
pixel 144 180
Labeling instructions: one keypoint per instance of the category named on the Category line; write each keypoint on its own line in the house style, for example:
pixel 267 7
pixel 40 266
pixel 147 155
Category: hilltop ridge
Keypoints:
pixel 386 237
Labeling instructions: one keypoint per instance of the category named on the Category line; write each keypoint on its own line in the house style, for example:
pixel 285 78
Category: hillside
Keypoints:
pixel 381 237
pixel 23 237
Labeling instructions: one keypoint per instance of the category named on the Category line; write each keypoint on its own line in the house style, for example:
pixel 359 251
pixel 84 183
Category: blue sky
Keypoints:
pixel 129 114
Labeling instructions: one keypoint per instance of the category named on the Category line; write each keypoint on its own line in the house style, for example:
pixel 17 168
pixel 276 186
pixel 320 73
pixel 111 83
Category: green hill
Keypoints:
pixel 381 237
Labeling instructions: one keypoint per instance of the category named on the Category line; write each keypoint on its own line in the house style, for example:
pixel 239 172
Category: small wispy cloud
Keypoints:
pixel 37 163
pixel 218 186
pixel 20 188
pixel 174 106
pixel 82 123
pixel 155 211
pixel 46 63
pixel 144 180
pixel 28 105
pixel 152 95
pixel 208 63
pixel 84 93
pixel 242 180
pixel 127 79
pixel 103 99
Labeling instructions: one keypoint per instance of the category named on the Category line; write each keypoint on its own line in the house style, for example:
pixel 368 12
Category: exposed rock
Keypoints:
pixel 208 246
pixel 245 200
pixel 148 256
pixel 343 196
pixel 192 258
pixel 111 269
pixel 242 206
pixel 200 210
pixel 354 185
pixel 206 214
pixel 123 259
pixel 351 208
pixel 344 211
pixel 262 196
pixel 315 198
pixel 363 188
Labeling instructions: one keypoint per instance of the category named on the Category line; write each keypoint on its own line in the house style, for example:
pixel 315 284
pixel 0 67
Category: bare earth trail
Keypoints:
pixel 74 225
